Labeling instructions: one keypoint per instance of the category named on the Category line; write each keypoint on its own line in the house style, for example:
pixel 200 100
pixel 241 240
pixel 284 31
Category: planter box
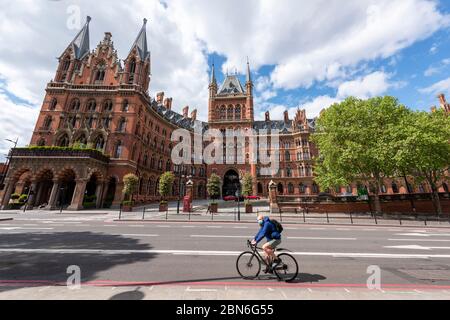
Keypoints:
pixel 163 207
pixel 248 208
pixel 214 208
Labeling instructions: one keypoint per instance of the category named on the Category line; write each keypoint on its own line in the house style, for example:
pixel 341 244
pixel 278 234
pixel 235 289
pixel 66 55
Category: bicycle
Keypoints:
pixel 249 265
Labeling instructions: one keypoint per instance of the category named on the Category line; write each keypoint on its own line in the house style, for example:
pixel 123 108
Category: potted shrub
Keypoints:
pixel 213 188
pixel 247 190
pixel 165 188
pixel 130 184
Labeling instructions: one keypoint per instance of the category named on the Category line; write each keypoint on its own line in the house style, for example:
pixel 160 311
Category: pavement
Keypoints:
pixel 151 259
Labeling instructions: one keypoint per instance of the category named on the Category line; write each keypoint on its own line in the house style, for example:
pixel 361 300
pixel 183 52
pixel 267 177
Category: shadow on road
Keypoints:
pixel 20 269
pixel 129 295
pixel 308 278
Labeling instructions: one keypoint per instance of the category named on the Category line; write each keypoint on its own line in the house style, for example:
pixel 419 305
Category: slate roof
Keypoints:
pixel 231 85
pixel 80 44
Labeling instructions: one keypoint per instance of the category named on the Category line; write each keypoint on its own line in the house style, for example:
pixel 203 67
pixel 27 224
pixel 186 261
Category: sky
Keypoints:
pixel 303 54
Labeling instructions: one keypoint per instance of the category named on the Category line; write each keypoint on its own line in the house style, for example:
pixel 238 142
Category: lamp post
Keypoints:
pixel 238 196
pixel 182 174
pixel 8 161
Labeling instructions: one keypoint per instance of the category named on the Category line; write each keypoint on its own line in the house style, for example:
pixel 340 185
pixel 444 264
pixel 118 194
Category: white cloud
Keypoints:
pixel 17 121
pixel 315 106
pixel 437 88
pixel 365 87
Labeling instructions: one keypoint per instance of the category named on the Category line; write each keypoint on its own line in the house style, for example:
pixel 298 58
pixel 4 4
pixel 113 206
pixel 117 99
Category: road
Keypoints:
pixel 197 259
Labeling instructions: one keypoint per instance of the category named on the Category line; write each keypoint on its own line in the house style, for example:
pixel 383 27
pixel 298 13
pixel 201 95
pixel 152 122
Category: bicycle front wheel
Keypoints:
pixel 287 269
pixel 248 266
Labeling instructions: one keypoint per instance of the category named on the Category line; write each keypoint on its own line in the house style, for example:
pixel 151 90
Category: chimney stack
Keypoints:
pixel 160 97
pixel 194 115
pixel 168 103
pixel 267 116
pixel 286 116
pixel 186 112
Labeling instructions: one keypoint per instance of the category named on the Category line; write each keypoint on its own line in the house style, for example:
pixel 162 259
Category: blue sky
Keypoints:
pixel 303 54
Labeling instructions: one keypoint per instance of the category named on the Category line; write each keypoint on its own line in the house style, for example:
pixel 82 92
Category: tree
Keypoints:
pixel 213 186
pixel 247 185
pixel 423 150
pixel 355 139
pixel 130 184
pixel 166 184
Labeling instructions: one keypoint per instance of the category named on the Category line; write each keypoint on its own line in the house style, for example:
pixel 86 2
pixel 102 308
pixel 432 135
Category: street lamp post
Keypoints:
pixel 61 199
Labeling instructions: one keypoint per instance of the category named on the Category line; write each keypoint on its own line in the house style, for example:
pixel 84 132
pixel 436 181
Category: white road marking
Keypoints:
pixel 135 226
pixel 240 228
pixel 214 227
pixel 312 238
pixel 424 235
pixel 224 253
pixel 163 226
pixel 420 240
pixel 20 228
pixel 189 227
pixel 346 290
pixel 140 235
pixel 213 236
pixel 200 290
pixel 417 247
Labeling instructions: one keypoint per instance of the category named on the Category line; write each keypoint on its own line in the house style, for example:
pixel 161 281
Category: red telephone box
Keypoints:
pixel 187 204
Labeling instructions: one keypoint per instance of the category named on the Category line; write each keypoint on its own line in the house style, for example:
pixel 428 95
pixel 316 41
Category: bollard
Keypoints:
pixel 304 216
pixel 167 215
pixel 400 219
pixel 425 220
pixel 143 214
pixel 281 217
pixel 376 220
pixel 120 212
pixel 351 217
pixel 328 218
pixel 190 215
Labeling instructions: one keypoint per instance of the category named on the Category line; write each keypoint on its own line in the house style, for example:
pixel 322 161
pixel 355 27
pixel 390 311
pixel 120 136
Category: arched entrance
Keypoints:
pixel 44 188
pixel 109 199
pixel 231 183
pixel 67 188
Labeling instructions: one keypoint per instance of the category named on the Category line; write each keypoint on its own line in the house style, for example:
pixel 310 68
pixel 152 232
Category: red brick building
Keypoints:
pixel 99 115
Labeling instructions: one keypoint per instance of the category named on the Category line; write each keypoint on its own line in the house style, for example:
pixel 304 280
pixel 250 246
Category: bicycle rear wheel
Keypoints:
pixel 248 265
pixel 287 269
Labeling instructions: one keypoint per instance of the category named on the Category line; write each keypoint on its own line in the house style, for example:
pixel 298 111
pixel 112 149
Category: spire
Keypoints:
pixel 213 75
pixel 80 44
pixel 141 43
pixel 249 75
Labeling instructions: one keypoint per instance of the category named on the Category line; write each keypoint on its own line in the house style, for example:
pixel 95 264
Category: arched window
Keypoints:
pixel 160 164
pixel 315 188
pixel 125 106
pixel 122 125
pixel 107 106
pixel 288 172
pixel 302 188
pixel 291 188
pixel 287 155
pixel 395 188
pixel 118 150
pixel 47 123
pixel 168 166
pixel 81 139
pixel 132 71
pixel 223 113
pixel 41 142
pixel 238 113
pixel 53 104
pixel 99 143
pixel 280 188
pixel 230 112
pixel 63 141
pixel 75 105
pixel 383 189
pixel 91 105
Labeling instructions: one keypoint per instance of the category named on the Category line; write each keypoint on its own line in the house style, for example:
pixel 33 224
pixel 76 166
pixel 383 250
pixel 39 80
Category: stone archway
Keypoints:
pixel 41 196
pixel 231 183
pixel 67 188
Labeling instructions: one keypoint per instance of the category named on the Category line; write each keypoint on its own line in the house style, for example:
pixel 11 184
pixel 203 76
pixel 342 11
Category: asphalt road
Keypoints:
pixel 37 249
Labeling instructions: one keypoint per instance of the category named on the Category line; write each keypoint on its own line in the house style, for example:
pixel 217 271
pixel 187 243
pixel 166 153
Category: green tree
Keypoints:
pixel 130 185
pixel 247 185
pixel 355 139
pixel 166 184
pixel 213 186
pixel 423 150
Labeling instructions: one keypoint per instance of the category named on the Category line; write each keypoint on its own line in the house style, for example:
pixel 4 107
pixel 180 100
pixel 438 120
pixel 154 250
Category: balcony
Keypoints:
pixel 59 152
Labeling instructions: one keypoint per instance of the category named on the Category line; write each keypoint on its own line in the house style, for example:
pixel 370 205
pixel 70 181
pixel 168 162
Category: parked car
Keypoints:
pixel 253 198
pixel 229 198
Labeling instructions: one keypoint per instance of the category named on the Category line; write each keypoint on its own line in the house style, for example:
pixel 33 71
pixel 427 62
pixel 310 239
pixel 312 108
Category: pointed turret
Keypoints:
pixel 141 43
pixel 80 45
pixel 249 82
pixel 249 74
pixel 213 76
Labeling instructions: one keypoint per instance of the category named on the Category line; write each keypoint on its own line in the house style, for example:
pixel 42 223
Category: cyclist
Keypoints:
pixel 270 232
